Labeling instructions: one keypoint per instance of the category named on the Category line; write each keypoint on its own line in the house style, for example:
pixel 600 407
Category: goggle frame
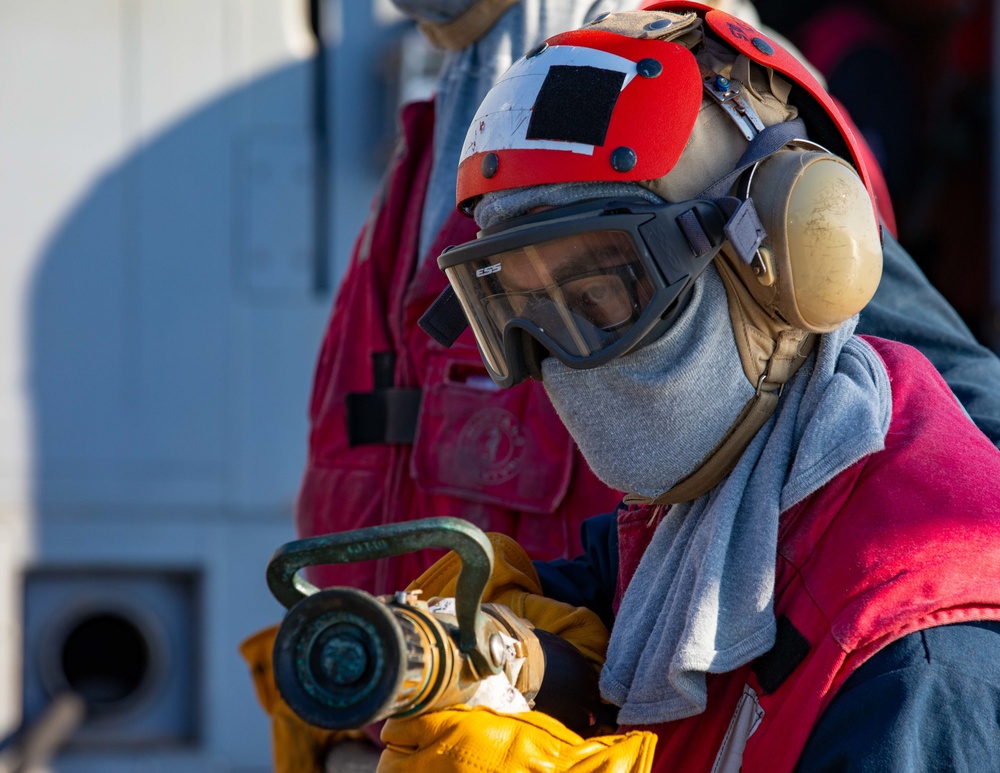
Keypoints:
pixel 675 242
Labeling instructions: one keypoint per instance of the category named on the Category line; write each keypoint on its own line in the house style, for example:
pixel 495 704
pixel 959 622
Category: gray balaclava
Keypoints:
pixel 661 385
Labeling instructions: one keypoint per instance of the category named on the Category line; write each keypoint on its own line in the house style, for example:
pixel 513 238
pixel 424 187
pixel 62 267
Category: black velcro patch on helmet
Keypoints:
pixel 575 104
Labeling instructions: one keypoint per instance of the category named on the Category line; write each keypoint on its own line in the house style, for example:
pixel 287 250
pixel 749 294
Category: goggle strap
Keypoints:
pixel 694 232
pixel 444 320
pixel 744 230
pixel 765 144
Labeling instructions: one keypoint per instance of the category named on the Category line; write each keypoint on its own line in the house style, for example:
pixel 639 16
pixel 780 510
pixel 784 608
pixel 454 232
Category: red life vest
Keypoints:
pixel 403 428
pixel 905 539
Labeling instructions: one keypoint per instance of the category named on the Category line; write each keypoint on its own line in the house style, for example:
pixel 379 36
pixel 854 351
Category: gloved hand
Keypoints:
pixel 297 747
pixel 475 740
pixel 574 654
pixel 515 584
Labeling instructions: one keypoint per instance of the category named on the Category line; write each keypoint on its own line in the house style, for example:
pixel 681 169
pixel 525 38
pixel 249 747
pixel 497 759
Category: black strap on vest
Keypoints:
pixel 777 664
pixel 387 414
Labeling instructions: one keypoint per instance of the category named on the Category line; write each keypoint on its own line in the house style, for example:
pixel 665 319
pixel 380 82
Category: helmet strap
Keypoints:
pixel 788 356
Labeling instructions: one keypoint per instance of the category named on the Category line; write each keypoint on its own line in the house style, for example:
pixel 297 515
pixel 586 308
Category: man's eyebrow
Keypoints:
pixel 573 270
pixel 582 262
pixel 561 274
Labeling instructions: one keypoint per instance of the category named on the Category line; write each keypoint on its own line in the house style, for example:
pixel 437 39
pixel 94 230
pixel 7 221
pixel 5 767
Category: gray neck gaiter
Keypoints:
pixel 644 421
pixel 702 598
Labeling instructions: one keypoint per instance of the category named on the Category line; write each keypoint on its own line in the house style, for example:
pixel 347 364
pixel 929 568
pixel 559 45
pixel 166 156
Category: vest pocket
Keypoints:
pixel 503 447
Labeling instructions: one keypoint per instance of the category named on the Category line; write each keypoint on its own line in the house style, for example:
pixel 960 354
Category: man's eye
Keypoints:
pixel 593 290
pixel 595 294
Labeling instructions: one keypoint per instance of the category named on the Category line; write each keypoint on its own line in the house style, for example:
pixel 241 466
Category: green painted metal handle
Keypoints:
pixel 469 541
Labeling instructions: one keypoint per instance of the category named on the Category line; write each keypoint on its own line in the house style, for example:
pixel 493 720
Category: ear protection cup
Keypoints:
pixel 822 259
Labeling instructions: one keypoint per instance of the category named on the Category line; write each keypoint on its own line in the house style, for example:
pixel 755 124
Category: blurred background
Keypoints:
pixel 917 78
pixel 180 185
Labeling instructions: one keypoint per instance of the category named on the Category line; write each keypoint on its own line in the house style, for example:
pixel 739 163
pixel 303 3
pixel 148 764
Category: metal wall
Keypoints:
pixel 174 214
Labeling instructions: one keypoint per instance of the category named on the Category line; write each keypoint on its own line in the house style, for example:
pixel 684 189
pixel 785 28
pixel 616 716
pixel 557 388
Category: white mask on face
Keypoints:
pixel 646 420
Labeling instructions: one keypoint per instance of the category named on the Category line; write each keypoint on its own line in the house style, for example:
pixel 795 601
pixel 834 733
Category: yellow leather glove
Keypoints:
pixel 477 740
pixel 515 584
pixel 297 747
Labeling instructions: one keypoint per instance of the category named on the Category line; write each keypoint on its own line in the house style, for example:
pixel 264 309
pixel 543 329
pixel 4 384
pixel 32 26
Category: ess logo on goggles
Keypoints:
pixel 585 283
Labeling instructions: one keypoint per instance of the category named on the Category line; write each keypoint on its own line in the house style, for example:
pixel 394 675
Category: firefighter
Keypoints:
pixel 413 468
pixel 677 235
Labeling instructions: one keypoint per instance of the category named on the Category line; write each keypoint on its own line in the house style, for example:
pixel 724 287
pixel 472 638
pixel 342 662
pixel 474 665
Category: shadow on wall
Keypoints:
pixel 173 313
pixel 174 322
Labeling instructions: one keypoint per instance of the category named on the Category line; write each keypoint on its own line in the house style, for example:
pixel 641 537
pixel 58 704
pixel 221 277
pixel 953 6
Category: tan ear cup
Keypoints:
pixel 822 259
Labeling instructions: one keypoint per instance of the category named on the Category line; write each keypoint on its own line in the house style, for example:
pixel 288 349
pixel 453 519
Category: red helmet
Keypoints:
pixel 702 109
pixel 597 105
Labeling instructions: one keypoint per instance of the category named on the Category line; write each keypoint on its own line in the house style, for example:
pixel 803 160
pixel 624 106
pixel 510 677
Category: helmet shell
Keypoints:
pixel 585 106
pixel 827 123
pixel 615 121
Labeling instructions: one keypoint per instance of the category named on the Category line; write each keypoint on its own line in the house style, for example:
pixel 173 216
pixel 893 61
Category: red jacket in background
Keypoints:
pixel 403 428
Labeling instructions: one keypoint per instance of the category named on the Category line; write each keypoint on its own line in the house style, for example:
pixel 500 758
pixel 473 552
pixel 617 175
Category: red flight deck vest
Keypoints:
pixel 403 428
pixel 904 539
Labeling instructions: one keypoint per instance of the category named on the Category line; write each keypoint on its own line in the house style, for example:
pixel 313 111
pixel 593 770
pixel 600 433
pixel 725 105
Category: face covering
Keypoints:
pixel 646 420
pixel 701 599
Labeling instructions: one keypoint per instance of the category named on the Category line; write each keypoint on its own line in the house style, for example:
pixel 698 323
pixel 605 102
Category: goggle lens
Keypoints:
pixel 584 291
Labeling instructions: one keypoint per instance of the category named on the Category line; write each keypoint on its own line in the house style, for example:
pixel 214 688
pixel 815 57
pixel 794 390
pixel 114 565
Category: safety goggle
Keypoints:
pixel 585 283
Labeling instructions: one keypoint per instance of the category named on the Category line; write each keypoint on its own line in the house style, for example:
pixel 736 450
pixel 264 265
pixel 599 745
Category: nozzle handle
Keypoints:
pixel 467 540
